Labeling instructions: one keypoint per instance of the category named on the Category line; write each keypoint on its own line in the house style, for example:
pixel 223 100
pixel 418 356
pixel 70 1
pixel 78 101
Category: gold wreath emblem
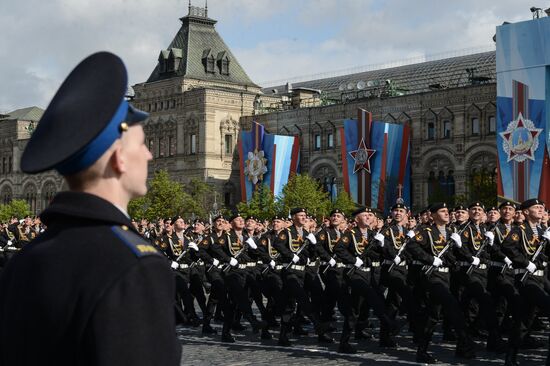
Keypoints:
pixel 515 237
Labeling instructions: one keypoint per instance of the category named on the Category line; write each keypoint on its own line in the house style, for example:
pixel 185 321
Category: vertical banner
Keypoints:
pixel 376 173
pixel 523 89
pixel 266 159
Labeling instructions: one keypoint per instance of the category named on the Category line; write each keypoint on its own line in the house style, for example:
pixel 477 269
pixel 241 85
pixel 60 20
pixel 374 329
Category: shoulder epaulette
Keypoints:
pixel 139 246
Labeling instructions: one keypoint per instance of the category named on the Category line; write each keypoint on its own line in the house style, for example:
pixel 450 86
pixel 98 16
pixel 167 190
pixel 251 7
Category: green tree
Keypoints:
pixel 304 191
pixel 200 198
pixel 164 198
pixel 17 208
pixel 262 204
pixel 344 202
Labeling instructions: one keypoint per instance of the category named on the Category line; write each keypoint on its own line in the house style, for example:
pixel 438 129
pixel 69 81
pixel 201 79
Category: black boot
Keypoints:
pixel 347 348
pixel 283 336
pixel 207 329
pixel 465 348
pixel 227 338
pixel 265 334
pixel 256 325
pixel 495 343
pixel 511 356
pixel 422 354
pixel 323 338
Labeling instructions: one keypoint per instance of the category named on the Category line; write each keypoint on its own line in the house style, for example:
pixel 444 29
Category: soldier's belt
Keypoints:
pixel 498 264
pixel 538 273
pixel 401 264
pixel 437 269
pixel 251 264
pixel 311 264
pixel 279 267
pixel 241 266
pixel 11 249
pixel 375 264
pixel 296 267
pixel 468 264
pixel 183 266
pixel 363 269
pixel 341 265
pixel 417 263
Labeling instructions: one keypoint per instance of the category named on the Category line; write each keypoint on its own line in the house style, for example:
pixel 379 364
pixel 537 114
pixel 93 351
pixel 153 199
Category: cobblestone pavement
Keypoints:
pixel 250 350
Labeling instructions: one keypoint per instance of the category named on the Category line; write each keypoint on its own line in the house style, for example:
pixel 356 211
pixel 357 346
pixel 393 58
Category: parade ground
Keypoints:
pixel 198 350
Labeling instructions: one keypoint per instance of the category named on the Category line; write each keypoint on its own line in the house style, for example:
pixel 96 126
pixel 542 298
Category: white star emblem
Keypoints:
pixel 521 139
pixel 362 157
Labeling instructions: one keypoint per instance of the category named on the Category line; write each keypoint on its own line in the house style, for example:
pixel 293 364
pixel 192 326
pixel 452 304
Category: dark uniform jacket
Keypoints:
pixel 288 243
pixel 228 245
pixel 394 238
pixel 472 241
pixel 353 244
pixel 88 291
pixel 266 251
pixel 428 243
pixel 327 239
pixel 521 244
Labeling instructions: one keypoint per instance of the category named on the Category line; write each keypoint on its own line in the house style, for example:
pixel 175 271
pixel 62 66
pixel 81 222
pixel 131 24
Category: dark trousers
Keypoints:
pixel 475 287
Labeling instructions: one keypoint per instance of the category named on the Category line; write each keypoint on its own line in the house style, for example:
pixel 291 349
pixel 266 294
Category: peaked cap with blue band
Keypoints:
pixel 86 115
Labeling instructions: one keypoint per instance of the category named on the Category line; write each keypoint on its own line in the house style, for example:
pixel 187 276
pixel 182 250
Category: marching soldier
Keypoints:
pixel 232 252
pixel 525 247
pixel 395 257
pixel 427 247
pixel 356 251
pixel 218 292
pixel 474 259
pixel 293 245
pixel 336 287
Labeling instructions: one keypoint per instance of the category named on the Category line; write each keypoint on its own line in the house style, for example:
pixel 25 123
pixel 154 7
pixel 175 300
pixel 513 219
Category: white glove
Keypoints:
pixel 312 239
pixel 233 262
pixel 380 238
pixel 295 259
pixel 251 243
pixel 272 264
pixel 546 234
pixel 491 237
pixel 475 261
pixel 174 265
pixel 215 262
pixel 332 262
pixel 397 260
pixel 193 246
pixel 437 262
pixel 10 242
pixel 410 234
pixel 507 261
pixel 531 267
pixel 456 238
pixel 147 234
pixel 358 262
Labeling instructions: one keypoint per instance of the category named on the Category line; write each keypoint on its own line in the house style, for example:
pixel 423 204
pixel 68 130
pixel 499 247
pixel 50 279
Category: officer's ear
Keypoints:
pixel 118 160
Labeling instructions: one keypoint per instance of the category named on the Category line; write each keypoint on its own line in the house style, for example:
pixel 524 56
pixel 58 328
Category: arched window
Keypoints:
pixel 441 183
pixel 6 195
pixel 482 179
pixel 48 192
pixel 29 195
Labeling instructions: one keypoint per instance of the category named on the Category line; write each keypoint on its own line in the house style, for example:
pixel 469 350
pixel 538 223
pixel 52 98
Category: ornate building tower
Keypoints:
pixel 196 95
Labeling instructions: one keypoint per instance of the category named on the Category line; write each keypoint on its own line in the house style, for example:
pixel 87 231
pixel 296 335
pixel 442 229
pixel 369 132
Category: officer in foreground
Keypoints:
pixel 89 290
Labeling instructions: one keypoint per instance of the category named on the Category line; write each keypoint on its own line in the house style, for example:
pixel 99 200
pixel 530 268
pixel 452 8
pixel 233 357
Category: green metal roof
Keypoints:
pixel 197 39
pixel 26 114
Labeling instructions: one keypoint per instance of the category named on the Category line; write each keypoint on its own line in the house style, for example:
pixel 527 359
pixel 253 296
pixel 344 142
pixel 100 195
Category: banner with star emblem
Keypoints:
pixel 375 161
pixel 266 159
pixel 523 94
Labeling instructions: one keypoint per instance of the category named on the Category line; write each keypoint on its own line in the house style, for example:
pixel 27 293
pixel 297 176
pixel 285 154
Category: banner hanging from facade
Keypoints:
pixel 266 159
pixel 523 124
pixel 376 165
